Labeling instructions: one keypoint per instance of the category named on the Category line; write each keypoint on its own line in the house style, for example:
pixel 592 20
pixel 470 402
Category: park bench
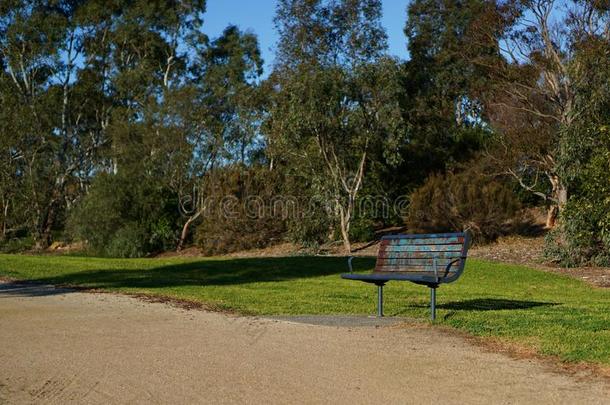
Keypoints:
pixel 426 259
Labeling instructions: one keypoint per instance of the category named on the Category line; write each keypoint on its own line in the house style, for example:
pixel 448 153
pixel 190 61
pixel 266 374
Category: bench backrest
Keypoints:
pixel 420 253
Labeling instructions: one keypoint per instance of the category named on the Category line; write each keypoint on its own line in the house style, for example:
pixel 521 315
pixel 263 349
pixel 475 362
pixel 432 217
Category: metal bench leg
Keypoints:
pixel 433 303
pixel 380 300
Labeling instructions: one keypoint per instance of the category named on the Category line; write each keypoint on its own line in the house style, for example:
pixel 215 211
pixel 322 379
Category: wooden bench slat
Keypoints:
pixel 419 255
pixel 408 266
pixel 428 270
pixel 425 241
pixel 426 273
pixel 421 248
pixel 412 263
pixel 423 235
pixel 391 263
pixel 420 259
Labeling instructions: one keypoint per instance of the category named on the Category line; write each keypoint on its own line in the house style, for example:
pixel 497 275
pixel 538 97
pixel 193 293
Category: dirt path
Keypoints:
pixel 61 346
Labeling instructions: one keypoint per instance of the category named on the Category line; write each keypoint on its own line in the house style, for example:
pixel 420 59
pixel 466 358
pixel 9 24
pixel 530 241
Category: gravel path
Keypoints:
pixel 60 346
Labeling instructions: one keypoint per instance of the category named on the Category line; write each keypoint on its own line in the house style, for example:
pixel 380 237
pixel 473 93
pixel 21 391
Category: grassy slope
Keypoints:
pixel 554 314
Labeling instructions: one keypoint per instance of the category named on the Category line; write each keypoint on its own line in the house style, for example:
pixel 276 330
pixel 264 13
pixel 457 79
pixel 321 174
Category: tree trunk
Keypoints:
pixel 560 196
pixel 44 237
pixel 4 220
pixel 42 240
pixel 551 216
pixel 185 231
pixel 345 224
pixel 345 235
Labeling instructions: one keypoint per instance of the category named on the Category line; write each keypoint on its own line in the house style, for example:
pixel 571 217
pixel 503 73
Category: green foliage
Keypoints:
pixel 228 97
pixel 312 227
pixel 16 245
pixel 336 99
pixel 219 111
pixel 583 235
pixel 443 83
pixel 71 73
pixel 464 201
pixel 362 230
pixel 127 241
pixel 125 217
pixel 328 32
pixel 441 97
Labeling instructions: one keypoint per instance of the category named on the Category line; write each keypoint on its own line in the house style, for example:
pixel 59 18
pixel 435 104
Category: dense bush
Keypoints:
pixel 583 234
pixel 125 217
pixel 242 213
pixel 308 222
pixel 311 227
pixel 464 201
pixel 16 245
pixel 362 229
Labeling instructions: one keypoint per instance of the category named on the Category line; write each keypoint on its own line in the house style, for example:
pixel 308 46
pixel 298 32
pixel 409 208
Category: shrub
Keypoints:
pixel 362 229
pixel 583 234
pixel 464 201
pixel 310 227
pixel 242 214
pixel 127 241
pixel 124 217
pixel 17 245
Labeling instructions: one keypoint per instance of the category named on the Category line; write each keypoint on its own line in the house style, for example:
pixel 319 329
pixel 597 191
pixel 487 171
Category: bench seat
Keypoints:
pixel 383 277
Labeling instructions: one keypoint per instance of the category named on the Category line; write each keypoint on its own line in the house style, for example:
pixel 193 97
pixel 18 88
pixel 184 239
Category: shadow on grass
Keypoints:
pixel 29 289
pixel 488 304
pixel 209 272
pixel 493 304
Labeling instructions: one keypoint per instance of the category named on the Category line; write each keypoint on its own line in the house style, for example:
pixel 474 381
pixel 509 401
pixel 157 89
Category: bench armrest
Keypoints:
pixel 349 264
pixel 451 263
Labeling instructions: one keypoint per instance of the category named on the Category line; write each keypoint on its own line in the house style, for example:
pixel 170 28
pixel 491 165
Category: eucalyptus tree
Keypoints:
pixel 334 98
pixel 85 80
pixel 511 66
pixel 144 54
pixel 220 107
pixel 13 200
pixel 444 88
pixel 42 47
pixel 582 235
pixel 532 106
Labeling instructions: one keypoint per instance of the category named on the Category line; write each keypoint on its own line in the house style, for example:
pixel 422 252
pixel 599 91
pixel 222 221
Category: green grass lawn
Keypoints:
pixel 554 314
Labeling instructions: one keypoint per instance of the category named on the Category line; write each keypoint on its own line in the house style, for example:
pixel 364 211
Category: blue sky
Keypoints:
pixel 257 16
